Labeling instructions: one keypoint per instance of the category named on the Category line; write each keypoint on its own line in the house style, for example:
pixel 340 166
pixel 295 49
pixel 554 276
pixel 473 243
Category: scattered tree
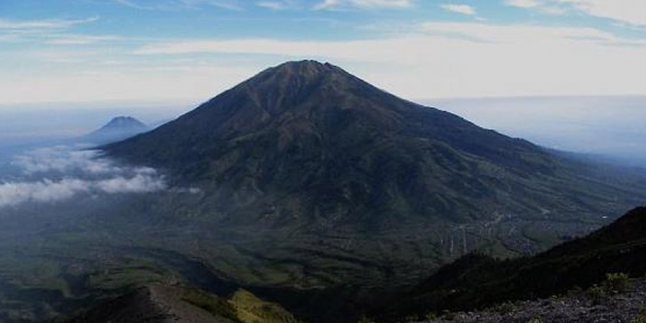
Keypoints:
pixel 617 283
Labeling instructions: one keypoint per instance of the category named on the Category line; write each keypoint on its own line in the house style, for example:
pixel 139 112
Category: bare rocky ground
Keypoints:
pixel 575 307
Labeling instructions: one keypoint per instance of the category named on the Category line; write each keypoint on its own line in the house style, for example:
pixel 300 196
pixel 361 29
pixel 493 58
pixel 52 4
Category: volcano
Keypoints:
pixel 308 144
pixel 119 128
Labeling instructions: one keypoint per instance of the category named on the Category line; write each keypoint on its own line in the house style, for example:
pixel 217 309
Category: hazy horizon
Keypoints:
pixel 599 125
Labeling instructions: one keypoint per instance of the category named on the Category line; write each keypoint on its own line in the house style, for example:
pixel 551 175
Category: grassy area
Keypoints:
pixel 251 309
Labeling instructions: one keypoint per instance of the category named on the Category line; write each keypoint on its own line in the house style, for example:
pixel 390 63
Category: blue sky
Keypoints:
pixel 161 50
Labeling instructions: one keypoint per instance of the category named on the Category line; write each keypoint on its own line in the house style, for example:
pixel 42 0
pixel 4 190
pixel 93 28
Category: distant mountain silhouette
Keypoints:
pixel 118 128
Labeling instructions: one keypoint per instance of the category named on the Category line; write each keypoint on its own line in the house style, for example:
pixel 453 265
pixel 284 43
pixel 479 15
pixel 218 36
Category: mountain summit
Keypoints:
pixel 308 144
pixel 124 123
pixel 118 128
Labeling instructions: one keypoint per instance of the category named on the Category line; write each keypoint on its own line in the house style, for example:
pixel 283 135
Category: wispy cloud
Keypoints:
pixel 46 190
pixel 430 32
pixel 278 5
pixel 627 11
pixel 48 31
pixel 139 6
pixel 63 159
pixel 15 193
pixel 65 55
pixel 460 8
pixel 173 5
pixel 548 7
pixel 60 173
pixel 523 3
pixel 630 12
pixel 374 4
pixel 44 24
pixel 397 51
pixel 140 183
pixel 521 57
pixel 78 39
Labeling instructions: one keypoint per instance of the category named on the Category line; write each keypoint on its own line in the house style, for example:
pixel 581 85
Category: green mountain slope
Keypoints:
pixel 162 303
pixel 306 142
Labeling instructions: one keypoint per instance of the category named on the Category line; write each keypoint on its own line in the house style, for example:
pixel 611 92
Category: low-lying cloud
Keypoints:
pixel 60 173
pixel 63 159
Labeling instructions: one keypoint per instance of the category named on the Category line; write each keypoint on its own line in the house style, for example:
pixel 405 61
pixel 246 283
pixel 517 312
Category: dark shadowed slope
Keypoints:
pixel 478 280
pixel 306 141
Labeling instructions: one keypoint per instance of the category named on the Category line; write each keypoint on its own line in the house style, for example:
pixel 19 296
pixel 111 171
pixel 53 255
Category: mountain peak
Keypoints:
pixel 118 128
pixel 282 88
pixel 124 122
pixel 305 67
pixel 297 76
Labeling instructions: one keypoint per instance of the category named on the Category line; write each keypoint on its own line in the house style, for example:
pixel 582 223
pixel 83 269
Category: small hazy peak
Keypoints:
pixel 118 128
pixel 124 122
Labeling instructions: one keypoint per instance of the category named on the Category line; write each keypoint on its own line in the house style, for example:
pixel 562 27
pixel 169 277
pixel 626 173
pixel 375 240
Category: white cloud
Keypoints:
pixel 61 173
pixel 48 31
pixel 64 55
pixel 418 61
pixel 173 5
pixel 338 4
pixel 77 39
pixel 277 5
pixel 428 34
pixel 140 183
pixel 14 193
pixel 630 12
pixel 523 3
pixel 43 24
pixel 223 4
pixel 462 59
pixel 47 190
pixel 549 7
pixel 460 8
pixel 63 159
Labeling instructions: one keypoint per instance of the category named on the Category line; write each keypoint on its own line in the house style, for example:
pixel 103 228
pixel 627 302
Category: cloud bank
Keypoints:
pixel 60 173
pixel 63 159
pixel 626 11
pixel 584 47
pixel 522 59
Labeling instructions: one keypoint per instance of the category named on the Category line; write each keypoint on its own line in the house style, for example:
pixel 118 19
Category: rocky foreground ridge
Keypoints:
pixel 595 305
